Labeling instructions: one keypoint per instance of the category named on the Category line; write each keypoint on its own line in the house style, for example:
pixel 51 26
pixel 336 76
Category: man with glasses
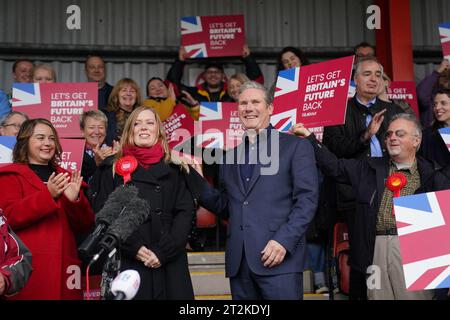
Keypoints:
pixel 375 239
pixel 10 123
pixel 214 88
pixel 354 140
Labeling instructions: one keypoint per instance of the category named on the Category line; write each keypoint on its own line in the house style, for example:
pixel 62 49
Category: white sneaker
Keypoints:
pixel 322 289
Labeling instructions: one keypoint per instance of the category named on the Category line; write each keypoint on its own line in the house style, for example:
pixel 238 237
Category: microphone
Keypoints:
pixel 136 212
pixel 114 206
pixel 126 285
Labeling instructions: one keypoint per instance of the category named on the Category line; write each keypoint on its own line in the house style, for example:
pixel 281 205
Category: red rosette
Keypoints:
pixel 125 166
pixel 395 182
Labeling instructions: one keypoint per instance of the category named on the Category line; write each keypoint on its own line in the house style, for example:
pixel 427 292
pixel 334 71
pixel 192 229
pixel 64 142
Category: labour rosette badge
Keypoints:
pixel 125 166
pixel 395 182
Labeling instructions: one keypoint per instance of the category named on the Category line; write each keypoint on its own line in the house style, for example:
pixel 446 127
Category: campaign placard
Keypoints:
pixel 445 134
pixel 404 90
pixel 323 92
pixel 6 149
pixel 286 99
pixel 219 125
pixel 423 224
pixel 179 126
pixel 315 95
pixel 213 36
pixel 61 103
pixel 444 33
pixel 72 154
pixel 351 90
pixel 318 132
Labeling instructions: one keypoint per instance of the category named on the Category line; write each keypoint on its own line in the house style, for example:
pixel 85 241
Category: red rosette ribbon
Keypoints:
pixel 395 182
pixel 125 166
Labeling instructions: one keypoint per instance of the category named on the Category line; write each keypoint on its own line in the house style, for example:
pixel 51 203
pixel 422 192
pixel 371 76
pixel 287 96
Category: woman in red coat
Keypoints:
pixel 44 206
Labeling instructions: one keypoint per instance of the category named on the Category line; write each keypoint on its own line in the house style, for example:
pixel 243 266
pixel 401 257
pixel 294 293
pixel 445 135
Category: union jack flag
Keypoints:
pixel 210 111
pixel 6 148
pixel 193 26
pixel 445 134
pixel 220 125
pixel 213 36
pixel 26 94
pixel 423 223
pixel 351 89
pixel 285 120
pixel 286 99
pixel 211 140
pixel 444 32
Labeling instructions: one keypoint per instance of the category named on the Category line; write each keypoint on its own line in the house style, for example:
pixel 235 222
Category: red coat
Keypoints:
pixel 47 228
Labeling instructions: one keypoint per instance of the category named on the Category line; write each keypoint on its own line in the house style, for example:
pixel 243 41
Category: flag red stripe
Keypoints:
pixel 426 278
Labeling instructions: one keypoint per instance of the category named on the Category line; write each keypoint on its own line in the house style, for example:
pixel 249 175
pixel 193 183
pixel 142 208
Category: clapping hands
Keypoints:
pixel 101 153
pixel 60 183
pixel 72 189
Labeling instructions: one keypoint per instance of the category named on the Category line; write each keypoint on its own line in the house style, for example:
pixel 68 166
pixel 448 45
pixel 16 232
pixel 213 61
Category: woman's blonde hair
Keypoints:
pixel 241 77
pixel 127 139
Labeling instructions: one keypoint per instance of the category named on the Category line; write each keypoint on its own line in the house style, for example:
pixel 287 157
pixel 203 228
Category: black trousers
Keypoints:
pixel 358 285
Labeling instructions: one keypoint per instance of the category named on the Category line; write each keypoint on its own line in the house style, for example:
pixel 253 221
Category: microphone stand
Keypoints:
pixel 111 269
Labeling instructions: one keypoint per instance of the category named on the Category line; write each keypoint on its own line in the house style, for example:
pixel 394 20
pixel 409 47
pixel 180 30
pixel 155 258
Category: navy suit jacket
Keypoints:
pixel 275 206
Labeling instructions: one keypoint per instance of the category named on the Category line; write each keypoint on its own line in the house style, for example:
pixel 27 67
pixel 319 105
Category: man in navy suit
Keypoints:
pixel 269 192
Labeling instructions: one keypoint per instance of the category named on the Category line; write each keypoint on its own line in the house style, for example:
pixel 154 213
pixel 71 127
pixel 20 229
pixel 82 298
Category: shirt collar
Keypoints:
pixel 263 133
pixel 369 104
pixel 412 169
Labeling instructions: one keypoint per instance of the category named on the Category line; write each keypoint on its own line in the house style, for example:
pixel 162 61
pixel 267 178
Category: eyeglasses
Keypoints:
pixel 398 133
pixel 15 125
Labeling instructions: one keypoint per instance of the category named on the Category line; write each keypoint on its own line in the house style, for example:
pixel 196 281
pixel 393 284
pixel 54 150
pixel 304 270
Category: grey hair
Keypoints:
pixel 255 85
pixel 411 118
pixel 6 117
pixel 95 114
pixel 365 59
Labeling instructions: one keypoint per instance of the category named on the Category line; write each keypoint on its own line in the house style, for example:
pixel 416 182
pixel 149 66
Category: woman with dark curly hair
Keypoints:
pixel 44 206
pixel 291 57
